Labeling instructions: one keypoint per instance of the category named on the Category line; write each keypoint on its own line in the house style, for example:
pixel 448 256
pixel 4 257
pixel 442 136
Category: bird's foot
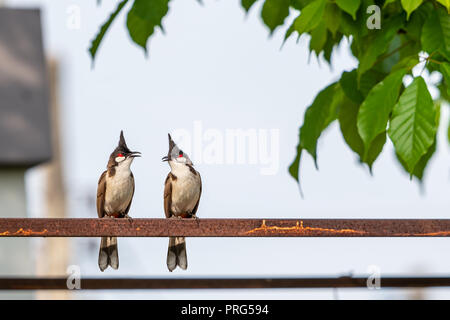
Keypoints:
pixel 130 219
pixel 196 219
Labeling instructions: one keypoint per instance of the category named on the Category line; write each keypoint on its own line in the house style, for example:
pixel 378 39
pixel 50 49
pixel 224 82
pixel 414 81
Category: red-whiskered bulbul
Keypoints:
pixel 114 194
pixel 182 191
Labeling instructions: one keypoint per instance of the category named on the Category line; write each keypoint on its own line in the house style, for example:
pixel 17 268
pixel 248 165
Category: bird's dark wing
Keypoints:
pixel 194 211
pixel 101 190
pixel 168 195
pixel 132 195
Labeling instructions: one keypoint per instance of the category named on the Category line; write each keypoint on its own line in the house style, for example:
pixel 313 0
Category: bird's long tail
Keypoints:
pixel 108 255
pixel 176 255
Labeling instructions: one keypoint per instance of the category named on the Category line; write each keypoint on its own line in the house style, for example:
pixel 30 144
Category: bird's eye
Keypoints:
pixel 180 154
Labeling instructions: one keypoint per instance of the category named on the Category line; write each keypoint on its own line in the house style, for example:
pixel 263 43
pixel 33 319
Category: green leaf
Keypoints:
pixel 388 2
pixel 378 42
pixel 446 4
pixel 448 132
pixel 421 165
pixel 349 85
pixel 375 149
pixel 329 45
pixel 445 70
pixel 299 4
pixel 358 91
pixel 317 117
pixel 310 16
pixel 104 28
pixel 349 6
pixel 274 12
pixel 348 113
pixel 410 6
pixel 318 38
pixel 413 125
pixel 436 33
pixel 368 80
pixel 247 4
pixel 374 113
pixel 332 17
pixel 348 26
pixel 347 122
pixel 407 63
pixel 414 25
pixel 143 17
pixel 391 57
pixel 294 168
pixel 288 33
pixel 444 91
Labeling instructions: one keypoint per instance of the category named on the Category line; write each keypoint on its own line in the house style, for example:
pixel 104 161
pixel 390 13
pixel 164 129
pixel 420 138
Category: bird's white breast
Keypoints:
pixel 119 191
pixel 185 190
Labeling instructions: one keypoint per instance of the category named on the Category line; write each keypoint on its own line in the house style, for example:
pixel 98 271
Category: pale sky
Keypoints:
pixel 219 67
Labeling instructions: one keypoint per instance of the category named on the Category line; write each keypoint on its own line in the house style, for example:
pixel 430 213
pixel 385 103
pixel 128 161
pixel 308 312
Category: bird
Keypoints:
pixel 182 191
pixel 114 195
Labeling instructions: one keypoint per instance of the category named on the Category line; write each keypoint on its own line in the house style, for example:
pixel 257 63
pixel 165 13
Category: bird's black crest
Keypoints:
pixel 171 143
pixel 122 146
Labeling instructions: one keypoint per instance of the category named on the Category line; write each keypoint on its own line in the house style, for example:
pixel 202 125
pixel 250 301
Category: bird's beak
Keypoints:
pixel 165 158
pixel 135 154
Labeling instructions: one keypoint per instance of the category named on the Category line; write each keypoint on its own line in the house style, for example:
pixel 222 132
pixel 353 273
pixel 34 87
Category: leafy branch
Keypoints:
pixel 371 102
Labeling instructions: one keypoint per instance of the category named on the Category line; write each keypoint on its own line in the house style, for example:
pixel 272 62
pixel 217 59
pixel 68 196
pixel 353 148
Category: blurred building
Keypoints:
pixel 25 138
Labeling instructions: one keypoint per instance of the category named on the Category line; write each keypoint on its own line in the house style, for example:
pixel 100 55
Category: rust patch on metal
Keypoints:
pixel 425 234
pixel 29 232
pixel 24 232
pixel 300 229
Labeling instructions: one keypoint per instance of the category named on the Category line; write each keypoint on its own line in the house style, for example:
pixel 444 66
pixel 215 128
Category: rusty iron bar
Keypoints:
pixel 33 227
pixel 218 283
